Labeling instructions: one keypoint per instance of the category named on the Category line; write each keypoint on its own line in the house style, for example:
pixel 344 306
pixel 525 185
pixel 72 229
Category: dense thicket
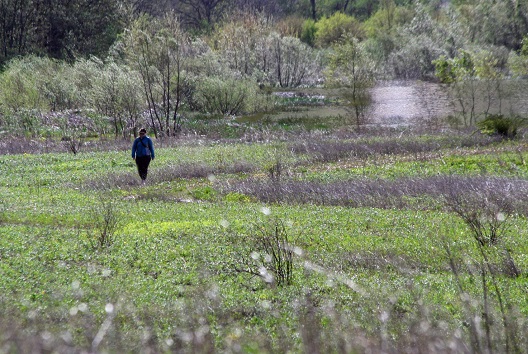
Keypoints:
pixel 77 28
pixel 138 62
pixel 61 29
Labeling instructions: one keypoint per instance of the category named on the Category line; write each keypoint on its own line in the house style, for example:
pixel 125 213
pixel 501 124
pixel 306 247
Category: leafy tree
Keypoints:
pixel 331 29
pixel 242 44
pixel 61 29
pixel 351 70
pixel 200 14
pixel 474 83
pixel 158 50
pixel 501 23
pixel 382 30
pixel 292 59
pixel 16 33
pixel 417 44
pixel 387 20
pixel 250 47
pixel 290 26
pixel 116 93
pixel 362 9
pixel 308 32
pixel 518 62
pixel 34 83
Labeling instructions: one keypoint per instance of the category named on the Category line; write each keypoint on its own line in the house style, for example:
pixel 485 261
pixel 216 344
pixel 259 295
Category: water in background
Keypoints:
pixel 400 103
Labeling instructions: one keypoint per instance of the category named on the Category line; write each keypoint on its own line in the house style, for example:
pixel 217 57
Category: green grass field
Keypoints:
pixel 90 260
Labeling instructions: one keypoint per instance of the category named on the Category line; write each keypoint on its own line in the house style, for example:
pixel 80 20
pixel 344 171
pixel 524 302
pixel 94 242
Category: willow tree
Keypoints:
pixel 158 50
pixel 351 71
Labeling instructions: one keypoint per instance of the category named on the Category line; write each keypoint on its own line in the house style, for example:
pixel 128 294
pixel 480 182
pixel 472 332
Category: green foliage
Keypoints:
pixel 386 20
pixel 19 88
pixel 331 29
pixel 226 96
pixel 206 193
pixel 237 197
pixel 524 48
pixel 444 70
pixel 351 69
pixel 499 124
pixel 518 62
pixel 308 32
pixel 40 84
pixel 473 78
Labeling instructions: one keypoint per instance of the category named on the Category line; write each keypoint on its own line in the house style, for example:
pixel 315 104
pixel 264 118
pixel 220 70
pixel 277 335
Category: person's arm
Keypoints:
pixel 151 147
pixel 134 148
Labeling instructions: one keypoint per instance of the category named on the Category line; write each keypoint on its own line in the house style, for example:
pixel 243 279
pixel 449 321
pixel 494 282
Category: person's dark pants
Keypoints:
pixel 142 163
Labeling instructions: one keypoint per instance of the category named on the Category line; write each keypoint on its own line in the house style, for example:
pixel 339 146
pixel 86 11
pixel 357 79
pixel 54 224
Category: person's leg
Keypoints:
pixel 138 164
pixel 146 166
pixel 142 165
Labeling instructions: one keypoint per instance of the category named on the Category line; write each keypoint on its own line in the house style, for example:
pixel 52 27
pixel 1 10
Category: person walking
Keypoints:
pixel 143 153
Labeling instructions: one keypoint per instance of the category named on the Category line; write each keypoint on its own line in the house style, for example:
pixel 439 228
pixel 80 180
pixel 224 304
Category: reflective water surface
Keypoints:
pixel 406 102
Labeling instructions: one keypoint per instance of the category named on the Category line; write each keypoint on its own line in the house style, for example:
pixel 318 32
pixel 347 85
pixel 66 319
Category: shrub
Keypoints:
pixel 18 86
pixel 308 32
pixel 37 83
pixel 331 29
pixel 272 245
pixel 226 96
pixel 105 218
pixel 204 193
pixel 237 197
pixel 291 26
pixel 267 253
pixel 294 62
pixel 497 124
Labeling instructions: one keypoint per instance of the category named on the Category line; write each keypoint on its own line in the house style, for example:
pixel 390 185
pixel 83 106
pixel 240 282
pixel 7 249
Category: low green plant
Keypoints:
pixel 497 124
pixel 237 197
pixel 206 193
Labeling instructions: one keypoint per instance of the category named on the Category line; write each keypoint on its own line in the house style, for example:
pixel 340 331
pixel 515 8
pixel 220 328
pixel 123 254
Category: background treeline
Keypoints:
pixel 134 62
pixel 69 29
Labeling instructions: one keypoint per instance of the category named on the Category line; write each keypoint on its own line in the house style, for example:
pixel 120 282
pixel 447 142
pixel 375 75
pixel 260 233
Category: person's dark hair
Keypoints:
pixel 143 130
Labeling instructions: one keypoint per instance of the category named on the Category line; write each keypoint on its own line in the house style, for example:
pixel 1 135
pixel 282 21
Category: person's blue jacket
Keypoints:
pixel 139 148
